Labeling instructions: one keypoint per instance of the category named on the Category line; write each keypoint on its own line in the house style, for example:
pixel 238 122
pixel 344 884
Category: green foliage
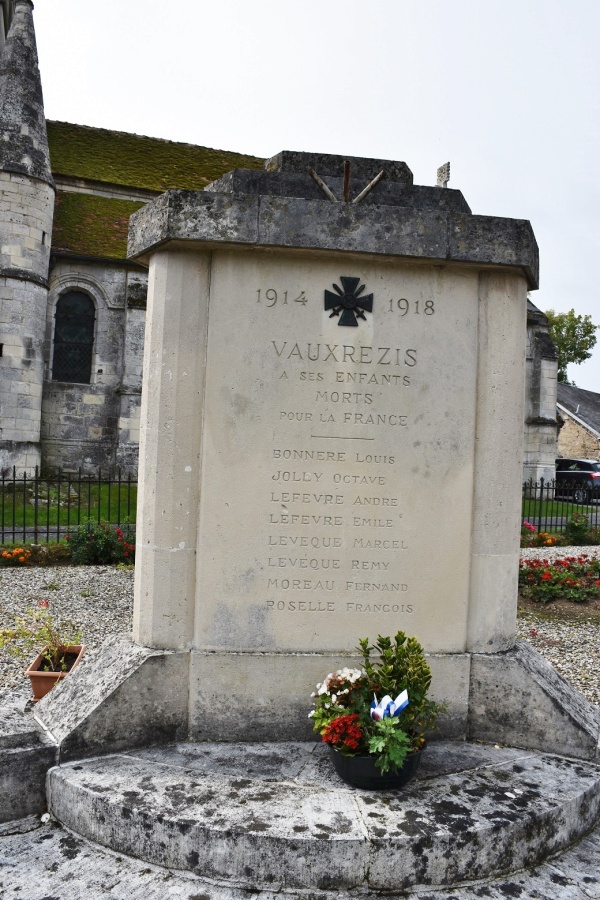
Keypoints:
pixel 94 543
pixel 578 532
pixel 37 630
pixel 574 337
pixel 390 743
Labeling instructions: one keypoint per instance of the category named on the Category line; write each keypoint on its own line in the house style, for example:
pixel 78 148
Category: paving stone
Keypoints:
pixel 50 862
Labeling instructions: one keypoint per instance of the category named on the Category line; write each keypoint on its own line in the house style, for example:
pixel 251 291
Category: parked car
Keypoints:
pixel 578 479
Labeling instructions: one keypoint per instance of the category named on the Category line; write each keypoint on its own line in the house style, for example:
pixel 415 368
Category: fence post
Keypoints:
pixel 36 501
pixel 541 506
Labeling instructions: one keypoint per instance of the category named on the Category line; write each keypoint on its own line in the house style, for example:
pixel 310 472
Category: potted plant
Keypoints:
pixel 61 648
pixel 375 719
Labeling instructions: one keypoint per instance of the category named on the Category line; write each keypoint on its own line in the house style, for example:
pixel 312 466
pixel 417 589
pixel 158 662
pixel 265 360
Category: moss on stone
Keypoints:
pixel 91 226
pixel 115 157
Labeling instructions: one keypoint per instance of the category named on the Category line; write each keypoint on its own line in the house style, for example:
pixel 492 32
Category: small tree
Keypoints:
pixel 574 337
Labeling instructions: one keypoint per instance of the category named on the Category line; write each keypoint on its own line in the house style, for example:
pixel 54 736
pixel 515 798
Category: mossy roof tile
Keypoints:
pixel 116 157
pixel 88 225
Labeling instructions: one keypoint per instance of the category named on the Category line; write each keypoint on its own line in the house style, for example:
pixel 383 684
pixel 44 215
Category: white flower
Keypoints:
pixel 333 698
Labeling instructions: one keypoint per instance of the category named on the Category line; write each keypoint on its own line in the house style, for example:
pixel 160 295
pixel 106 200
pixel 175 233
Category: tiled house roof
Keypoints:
pixel 584 406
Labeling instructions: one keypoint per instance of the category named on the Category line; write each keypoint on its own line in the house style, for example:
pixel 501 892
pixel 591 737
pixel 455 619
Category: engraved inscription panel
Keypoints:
pixel 337 462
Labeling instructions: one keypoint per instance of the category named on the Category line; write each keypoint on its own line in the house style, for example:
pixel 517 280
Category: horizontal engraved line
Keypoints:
pixel 333 437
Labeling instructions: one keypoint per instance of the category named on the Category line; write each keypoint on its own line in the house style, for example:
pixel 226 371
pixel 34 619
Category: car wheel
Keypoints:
pixel 580 495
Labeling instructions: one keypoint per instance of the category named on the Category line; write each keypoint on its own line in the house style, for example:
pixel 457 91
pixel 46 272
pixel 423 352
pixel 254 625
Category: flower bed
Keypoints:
pixel 574 578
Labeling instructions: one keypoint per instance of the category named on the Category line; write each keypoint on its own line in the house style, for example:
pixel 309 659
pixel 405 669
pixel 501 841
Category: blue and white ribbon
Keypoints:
pixel 388 708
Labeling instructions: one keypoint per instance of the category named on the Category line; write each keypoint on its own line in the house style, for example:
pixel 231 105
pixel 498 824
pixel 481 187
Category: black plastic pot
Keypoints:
pixel 361 771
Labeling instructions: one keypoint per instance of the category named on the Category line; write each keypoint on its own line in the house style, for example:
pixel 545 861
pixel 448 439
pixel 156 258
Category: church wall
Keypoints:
pixel 26 210
pixel 83 425
pixel 539 444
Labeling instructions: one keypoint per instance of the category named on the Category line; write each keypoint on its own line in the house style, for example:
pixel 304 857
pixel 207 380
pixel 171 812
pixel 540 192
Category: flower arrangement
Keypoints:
pixel 381 709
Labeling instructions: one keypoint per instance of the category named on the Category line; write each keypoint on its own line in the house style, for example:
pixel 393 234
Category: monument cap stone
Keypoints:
pixel 284 207
pixel 363 169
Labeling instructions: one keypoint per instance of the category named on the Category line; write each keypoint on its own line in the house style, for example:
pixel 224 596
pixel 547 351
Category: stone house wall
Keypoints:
pixel 577 441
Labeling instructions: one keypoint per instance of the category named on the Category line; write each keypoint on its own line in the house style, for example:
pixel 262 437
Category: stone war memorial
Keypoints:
pixel 330 450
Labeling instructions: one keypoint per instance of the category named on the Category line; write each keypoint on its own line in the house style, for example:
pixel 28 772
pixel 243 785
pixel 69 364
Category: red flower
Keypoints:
pixel 546 576
pixel 344 731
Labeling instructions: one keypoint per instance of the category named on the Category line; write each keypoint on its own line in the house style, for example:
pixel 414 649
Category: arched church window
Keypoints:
pixel 73 338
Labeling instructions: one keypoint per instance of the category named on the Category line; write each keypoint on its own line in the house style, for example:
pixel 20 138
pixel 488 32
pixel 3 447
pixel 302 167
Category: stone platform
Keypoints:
pixel 275 817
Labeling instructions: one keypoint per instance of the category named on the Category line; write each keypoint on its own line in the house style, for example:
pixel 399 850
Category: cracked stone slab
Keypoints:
pixel 50 861
pixel 276 817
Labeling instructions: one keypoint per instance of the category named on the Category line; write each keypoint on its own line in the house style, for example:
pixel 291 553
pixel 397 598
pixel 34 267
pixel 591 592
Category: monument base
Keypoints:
pixel 128 696
pixel 276 816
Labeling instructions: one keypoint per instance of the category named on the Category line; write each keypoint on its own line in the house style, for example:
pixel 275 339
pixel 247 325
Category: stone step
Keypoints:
pixel 275 816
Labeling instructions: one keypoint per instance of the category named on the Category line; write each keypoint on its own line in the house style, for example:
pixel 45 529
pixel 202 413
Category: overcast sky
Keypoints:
pixel 508 91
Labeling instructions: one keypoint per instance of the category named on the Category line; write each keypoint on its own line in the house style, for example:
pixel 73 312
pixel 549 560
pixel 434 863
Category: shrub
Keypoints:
pixel 578 532
pixel 98 543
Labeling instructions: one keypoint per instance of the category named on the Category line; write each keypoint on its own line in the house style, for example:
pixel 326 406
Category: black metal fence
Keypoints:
pixel 44 507
pixel 549 504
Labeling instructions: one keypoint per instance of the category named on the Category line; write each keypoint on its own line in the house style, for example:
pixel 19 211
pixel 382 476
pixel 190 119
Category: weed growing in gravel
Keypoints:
pixel 575 578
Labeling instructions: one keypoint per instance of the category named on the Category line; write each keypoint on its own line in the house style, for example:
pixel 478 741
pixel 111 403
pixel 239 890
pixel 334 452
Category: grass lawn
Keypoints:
pixel 66 505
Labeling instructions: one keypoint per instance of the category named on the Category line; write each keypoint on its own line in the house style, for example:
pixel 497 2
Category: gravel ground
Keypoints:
pixel 99 600
pixel 573 647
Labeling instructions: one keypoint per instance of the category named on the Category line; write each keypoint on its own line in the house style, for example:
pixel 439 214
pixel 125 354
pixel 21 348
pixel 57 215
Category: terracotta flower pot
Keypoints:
pixel 42 682
pixel 361 771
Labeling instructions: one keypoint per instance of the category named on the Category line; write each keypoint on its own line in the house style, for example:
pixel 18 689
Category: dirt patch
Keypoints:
pixel 562 610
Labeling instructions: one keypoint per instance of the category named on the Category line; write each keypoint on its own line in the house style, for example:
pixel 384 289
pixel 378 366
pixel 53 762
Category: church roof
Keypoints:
pixel 132 160
pixel 23 142
pixel 89 225
pixel 94 223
